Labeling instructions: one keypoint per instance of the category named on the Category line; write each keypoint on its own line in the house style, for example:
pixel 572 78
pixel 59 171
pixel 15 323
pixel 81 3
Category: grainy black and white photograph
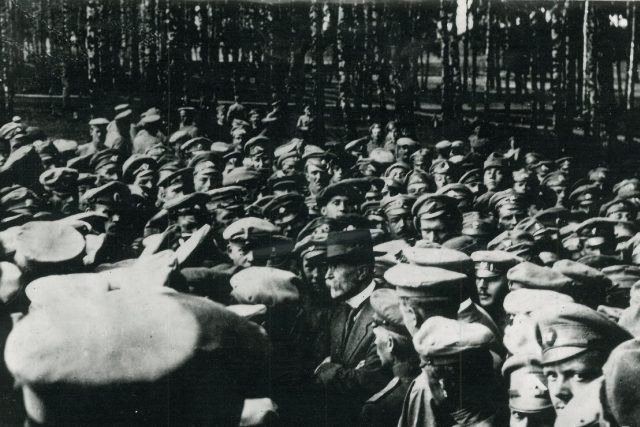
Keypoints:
pixel 319 213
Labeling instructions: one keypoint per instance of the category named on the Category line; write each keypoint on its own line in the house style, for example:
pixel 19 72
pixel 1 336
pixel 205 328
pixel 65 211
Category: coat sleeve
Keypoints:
pixel 365 379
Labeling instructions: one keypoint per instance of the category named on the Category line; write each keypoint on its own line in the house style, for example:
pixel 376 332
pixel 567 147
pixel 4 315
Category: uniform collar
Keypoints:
pixel 357 300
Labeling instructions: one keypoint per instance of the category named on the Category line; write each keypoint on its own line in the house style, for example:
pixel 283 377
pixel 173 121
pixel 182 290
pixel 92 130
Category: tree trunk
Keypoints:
pixel 589 67
pixel 489 56
pixel 92 46
pixel 631 64
pixel 558 13
pixel 446 100
pixel 474 55
pixel 317 46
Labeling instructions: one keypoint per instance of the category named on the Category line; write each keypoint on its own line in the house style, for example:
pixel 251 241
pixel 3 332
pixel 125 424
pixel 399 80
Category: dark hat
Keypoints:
pixel 571 329
pixel 475 225
pixel 587 192
pixel 187 204
pixel 493 263
pixel 553 217
pixel 350 246
pixel 495 160
pixel 287 207
pixel 532 276
pixel 59 179
pixel 441 340
pixel 280 181
pixel 434 206
pixel 204 162
pixel 205 143
pixel 138 164
pixel 471 177
pixel 441 166
pixel 46 149
pixel 341 188
pixel 111 193
pixel 528 392
pixel 432 283
pixel 256 208
pixel 242 175
pixel 599 261
pixel 582 274
pixel 226 196
pixel 320 227
pixel 265 285
pixel 174 176
pixel 103 158
pixel 386 311
pixel 400 203
pixel 618 205
pixel 311 246
pixel 255 144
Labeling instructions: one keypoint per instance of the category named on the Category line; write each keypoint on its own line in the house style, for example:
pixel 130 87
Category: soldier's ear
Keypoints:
pixel 390 343
pixel 323 211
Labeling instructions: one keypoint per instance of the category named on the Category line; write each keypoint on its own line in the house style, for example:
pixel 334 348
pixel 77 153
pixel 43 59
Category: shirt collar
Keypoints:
pixel 357 300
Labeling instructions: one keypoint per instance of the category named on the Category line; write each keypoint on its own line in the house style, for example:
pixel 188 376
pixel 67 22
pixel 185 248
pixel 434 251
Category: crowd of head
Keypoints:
pixel 231 274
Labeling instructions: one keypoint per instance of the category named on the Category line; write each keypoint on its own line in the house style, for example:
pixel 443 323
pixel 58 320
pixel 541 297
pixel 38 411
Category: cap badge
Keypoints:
pixel 550 338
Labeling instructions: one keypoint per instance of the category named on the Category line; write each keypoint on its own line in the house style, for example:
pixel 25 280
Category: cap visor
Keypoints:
pixel 559 354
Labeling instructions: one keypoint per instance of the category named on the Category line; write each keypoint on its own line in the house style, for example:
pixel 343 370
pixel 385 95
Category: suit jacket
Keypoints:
pixel 383 408
pixel 355 371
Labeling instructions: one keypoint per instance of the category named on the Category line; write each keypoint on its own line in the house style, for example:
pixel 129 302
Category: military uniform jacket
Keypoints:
pixel 419 410
pixel 383 408
pixel 143 141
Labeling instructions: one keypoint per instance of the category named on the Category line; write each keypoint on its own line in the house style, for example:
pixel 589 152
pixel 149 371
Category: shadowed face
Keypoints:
pixel 571 377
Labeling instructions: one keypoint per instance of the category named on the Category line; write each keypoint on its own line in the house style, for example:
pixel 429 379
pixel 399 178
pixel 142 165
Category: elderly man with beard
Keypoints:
pixel 352 372
pixel 61 186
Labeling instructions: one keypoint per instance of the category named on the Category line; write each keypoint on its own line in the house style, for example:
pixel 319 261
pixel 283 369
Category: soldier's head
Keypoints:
pixel 392 339
pixel 576 342
pixel 437 217
pixel 98 130
pixel 61 185
pixel 425 292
